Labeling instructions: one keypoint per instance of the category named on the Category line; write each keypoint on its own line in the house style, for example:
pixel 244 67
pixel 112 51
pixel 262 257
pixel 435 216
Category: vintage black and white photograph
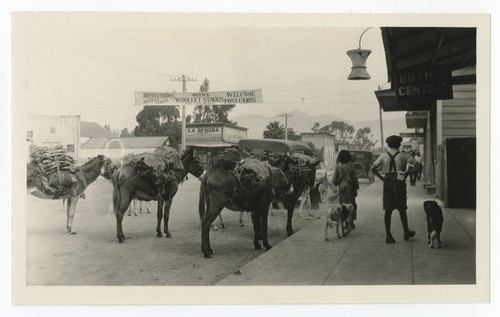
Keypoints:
pixel 240 150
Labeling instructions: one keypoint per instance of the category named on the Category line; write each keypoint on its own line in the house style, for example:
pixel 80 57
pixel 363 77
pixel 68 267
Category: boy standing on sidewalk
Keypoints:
pixel 393 165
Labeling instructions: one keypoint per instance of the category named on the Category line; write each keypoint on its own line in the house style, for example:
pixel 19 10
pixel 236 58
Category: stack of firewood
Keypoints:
pixel 50 159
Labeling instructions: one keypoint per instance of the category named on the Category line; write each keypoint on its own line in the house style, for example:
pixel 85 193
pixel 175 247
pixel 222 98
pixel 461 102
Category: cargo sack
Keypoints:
pixel 170 156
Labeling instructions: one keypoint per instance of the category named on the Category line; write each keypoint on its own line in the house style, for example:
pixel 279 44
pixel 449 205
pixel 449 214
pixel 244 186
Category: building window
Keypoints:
pixel 52 129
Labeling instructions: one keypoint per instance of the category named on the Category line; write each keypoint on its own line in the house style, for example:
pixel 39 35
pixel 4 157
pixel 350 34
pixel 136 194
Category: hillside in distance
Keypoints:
pixel 303 122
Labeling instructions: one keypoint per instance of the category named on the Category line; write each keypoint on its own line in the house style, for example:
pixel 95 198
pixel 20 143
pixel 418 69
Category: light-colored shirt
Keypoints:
pixel 383 162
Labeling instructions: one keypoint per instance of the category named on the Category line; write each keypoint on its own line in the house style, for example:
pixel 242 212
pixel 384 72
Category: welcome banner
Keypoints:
pixel 143 98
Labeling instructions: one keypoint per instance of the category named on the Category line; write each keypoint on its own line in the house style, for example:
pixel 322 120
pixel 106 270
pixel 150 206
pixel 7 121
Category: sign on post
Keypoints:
pixel 144 98
pixel 433 82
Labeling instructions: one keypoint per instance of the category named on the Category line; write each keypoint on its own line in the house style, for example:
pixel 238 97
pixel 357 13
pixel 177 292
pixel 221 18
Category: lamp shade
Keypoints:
pixel 358 58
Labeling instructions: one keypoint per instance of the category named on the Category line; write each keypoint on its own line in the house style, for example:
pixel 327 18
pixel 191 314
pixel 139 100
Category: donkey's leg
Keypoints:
pixel 70 213
pixel 166 215
pixel 257 233
pixel 159 216
pixel 241 224
pixel 264 215
pixel 121 209
pixel 290 208
pixel 136 202
pixel 222 226
pixel 216 206
pixel 129 209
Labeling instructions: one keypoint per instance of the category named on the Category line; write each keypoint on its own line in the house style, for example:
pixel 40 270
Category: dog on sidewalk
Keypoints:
pixel 339 216
pixel 434 223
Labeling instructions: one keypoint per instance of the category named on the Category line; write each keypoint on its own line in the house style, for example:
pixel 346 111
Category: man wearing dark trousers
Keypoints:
pixel 392 165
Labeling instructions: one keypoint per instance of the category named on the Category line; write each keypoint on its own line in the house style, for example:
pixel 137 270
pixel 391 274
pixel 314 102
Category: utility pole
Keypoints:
pixel 381 126
pixel 183 78
pixel 286 123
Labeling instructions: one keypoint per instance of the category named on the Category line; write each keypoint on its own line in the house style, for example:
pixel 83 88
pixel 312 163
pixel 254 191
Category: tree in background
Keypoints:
pixel 276 130
pixel 126 134
pixel 362 139
pixel 211 113
pixel 315 127
pixel 159 121
pixel 342 131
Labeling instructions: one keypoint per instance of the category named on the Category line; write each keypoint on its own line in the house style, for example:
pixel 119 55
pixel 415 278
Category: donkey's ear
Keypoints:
pixel 100 156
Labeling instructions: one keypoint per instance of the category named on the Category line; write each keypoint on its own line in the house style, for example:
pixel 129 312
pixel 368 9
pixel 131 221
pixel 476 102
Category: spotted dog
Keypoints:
pixel 339 216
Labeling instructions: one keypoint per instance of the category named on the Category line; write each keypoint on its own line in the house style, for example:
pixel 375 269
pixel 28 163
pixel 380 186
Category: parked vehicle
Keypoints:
pixel 258 146
pixel 362 163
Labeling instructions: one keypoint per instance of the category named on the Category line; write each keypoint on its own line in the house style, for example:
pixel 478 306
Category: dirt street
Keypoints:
pixel 94 257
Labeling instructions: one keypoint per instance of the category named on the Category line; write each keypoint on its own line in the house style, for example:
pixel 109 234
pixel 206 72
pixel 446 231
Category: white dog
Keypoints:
pixel 336 216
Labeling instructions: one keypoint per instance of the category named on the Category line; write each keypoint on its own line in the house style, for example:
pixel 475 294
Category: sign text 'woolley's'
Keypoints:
pixel 143 98
pixel 429 83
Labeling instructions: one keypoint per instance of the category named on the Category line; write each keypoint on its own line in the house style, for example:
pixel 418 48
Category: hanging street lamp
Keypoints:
pixel 358 58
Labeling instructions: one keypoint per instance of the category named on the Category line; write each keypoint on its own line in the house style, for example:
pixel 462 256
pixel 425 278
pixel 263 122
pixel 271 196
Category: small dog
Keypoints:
pixel 434 223
pixel 339 216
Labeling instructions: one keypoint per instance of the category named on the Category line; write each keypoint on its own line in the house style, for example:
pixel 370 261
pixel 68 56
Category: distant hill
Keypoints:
pixel 303 122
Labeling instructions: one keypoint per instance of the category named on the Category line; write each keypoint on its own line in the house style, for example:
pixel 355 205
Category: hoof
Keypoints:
pixel 242 224
pixel 168 235
pixel 159 235
pixel 129 215
pixel 207 255
pixel 290 233
pixel 326 239
pixel 121 239
pixel 269 247
pixel 258 247
pixel 223 226
pixel 72 232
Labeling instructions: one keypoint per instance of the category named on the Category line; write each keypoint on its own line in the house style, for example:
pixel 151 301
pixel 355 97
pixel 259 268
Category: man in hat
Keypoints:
pixel 392 165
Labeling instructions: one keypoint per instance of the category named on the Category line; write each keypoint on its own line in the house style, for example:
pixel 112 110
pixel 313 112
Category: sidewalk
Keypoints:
pixel 363 257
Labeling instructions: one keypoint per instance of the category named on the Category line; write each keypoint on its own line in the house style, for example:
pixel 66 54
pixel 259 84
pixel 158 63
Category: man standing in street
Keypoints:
pixel 392 165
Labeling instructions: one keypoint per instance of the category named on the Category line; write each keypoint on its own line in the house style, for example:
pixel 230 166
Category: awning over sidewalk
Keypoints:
pixel 210 144
pixel 419 65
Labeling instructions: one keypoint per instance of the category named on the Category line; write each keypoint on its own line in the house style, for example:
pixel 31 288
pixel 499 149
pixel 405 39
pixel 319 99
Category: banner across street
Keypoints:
pixel 143 98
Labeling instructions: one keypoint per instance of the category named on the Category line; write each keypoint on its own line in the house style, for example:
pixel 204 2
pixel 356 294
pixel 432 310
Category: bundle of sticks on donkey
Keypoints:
pixel 52 174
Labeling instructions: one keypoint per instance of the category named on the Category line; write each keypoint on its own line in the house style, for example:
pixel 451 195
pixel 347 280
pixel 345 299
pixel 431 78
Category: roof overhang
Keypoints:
pixel 210 144
pixel 423 50
pixel 387 101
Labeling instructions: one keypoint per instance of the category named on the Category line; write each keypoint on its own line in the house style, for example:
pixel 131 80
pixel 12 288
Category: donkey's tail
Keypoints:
pixel 117 197
pixel 203 202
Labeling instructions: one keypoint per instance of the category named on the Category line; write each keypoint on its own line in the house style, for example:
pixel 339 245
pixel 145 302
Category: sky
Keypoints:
pixel 91 64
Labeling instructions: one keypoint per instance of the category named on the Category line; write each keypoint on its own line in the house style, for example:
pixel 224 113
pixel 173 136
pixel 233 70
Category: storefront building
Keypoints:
pixel 209 139
pixel 432 72
pixel 325 142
